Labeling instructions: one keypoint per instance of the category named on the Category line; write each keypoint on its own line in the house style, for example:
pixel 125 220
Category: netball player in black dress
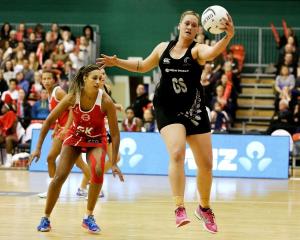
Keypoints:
pixel 180 110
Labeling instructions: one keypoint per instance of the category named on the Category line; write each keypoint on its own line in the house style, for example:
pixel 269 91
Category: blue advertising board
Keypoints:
pixel 250 156
pixel 41 165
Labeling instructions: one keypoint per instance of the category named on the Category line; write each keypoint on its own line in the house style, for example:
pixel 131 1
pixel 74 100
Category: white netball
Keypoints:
pixel 212 17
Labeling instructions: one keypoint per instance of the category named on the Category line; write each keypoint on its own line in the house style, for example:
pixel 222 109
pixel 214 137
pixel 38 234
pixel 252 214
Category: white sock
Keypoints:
pixel 9 160
pixel 9 157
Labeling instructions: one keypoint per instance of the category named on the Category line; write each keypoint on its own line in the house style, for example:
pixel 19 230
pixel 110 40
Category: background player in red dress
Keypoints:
pixel 89 105
pixel 119 107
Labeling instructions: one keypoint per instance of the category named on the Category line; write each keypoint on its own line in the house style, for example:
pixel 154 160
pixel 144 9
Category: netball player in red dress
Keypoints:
pixel 56 94
pixel 108 163
pixel 87 134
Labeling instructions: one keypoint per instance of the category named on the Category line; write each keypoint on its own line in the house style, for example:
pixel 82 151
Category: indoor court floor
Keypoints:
pixel 142 208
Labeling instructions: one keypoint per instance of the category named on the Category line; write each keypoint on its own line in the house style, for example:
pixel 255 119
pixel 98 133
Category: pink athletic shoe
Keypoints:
pixel 181 217
pixel 208 219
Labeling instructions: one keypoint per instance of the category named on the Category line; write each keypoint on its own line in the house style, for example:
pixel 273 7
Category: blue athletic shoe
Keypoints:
pixel 44 225
pixel 90 224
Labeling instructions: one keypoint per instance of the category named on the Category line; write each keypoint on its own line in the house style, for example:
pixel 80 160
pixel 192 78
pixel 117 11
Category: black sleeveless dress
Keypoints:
pixel 179 96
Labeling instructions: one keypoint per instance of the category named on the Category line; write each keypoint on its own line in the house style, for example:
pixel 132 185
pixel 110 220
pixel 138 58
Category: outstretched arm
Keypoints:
pixel 208 53
pixel 133 65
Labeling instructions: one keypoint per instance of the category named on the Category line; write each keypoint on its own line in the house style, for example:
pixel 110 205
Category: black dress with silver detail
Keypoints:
pixel 179 96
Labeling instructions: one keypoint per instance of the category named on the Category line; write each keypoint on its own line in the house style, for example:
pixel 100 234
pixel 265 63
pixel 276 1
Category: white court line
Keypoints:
pixel 71 200
pixel 213 201
pixel 258 202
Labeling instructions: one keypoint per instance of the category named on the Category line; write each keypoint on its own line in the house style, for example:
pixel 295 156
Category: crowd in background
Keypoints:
pixel 221 82
pixel 26 51
pixel 287 85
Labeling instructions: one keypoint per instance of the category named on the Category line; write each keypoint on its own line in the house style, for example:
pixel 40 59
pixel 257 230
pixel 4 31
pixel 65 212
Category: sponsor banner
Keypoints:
pixel 41 165
pixel 250 156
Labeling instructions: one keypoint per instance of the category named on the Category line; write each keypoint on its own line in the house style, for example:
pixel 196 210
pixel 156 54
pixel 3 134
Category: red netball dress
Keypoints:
pixel 88 127
pixel 130 127
pixel 62 119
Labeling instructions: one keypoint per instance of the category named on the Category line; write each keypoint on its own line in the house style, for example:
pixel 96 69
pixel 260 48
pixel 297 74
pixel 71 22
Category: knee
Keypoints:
pixel 97 168
pixel 59 179
pixel 118 158
pixel 81 165
pixel 206 164
pixel 177 155
pixel 97 177
pixel 97 173
pixel 51 158
pixel 78 165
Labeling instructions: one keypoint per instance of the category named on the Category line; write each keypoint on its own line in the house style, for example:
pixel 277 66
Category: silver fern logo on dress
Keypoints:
pixel 186 59
pixel 166 61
